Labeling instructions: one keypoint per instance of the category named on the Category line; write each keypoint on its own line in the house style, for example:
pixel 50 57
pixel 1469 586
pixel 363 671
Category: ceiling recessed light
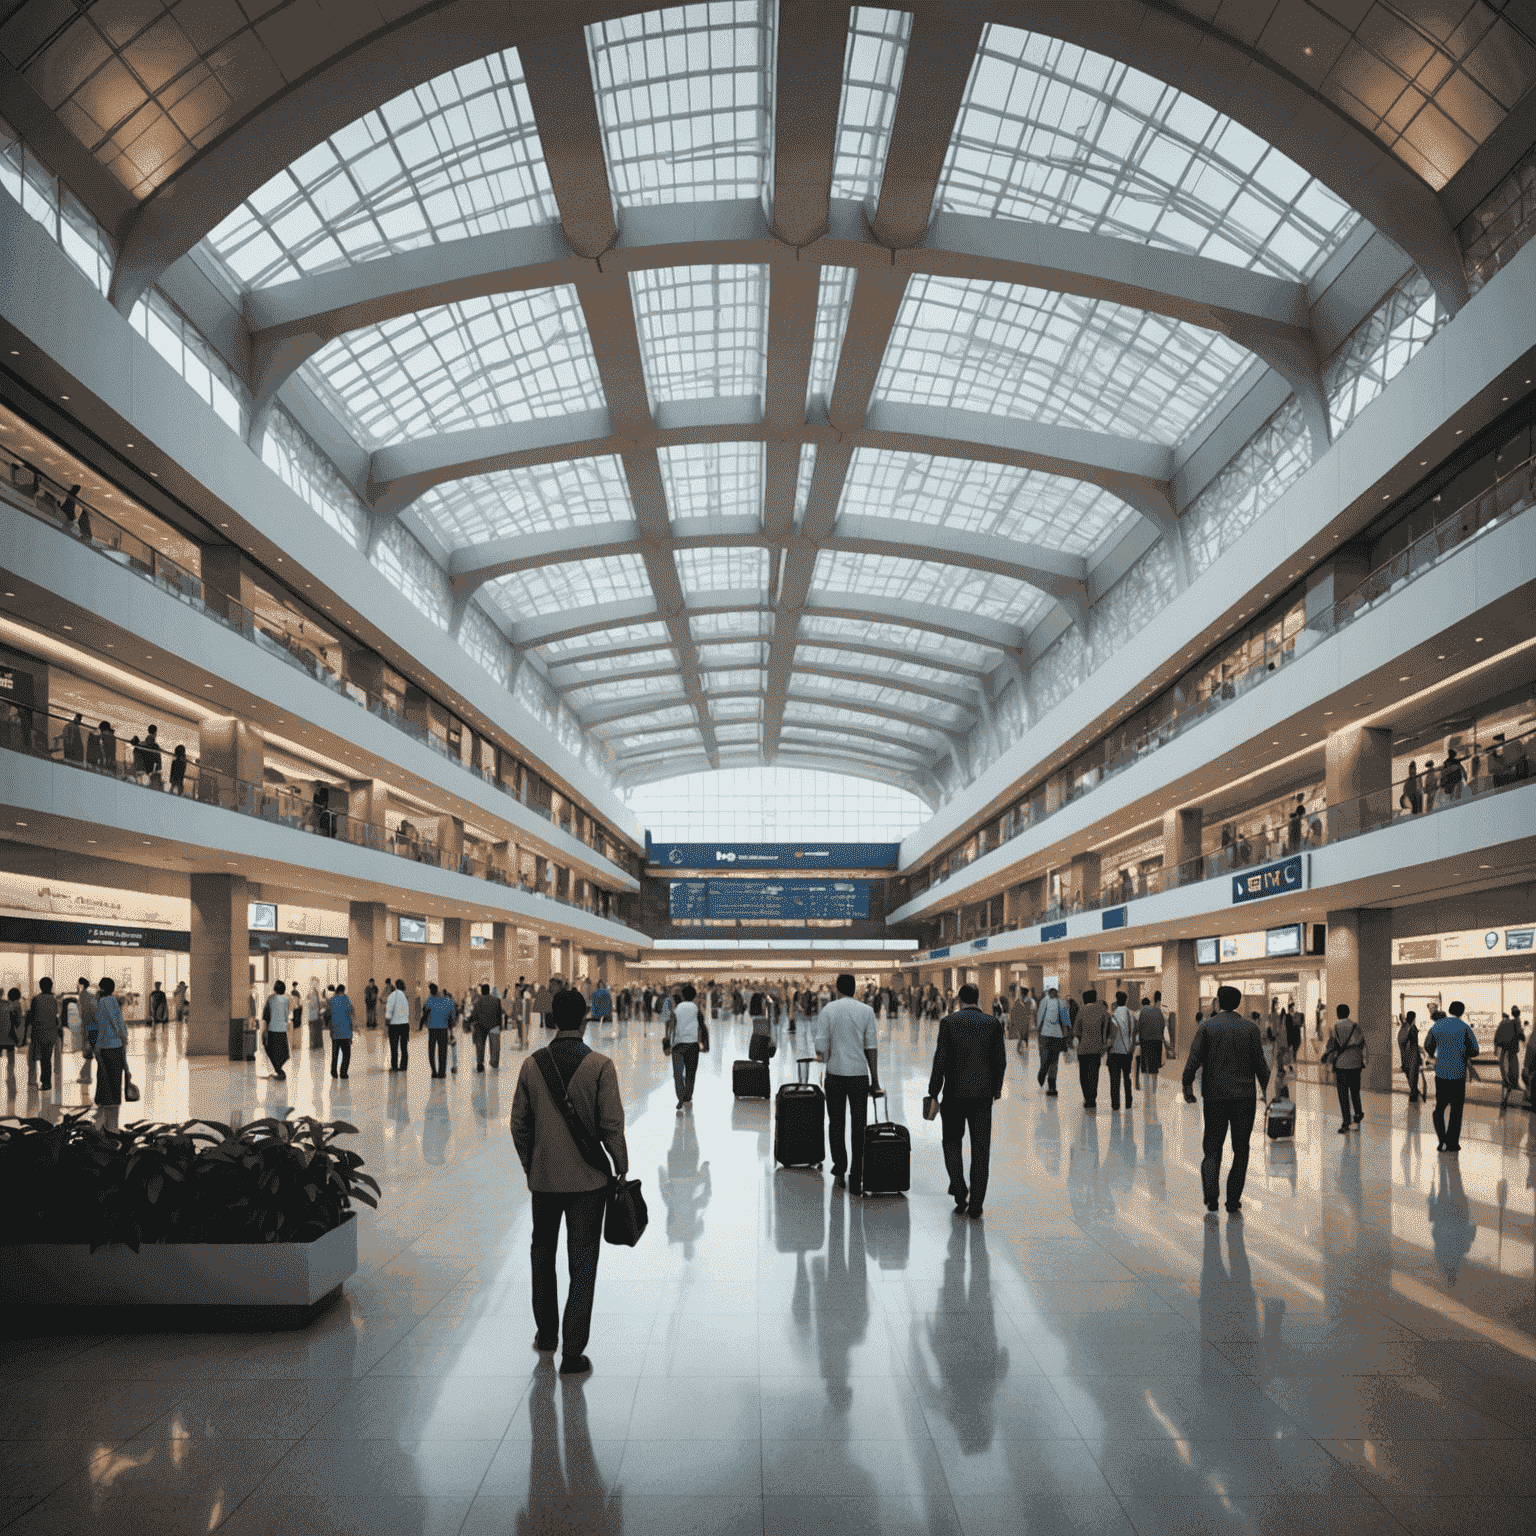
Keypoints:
pixel 61 397
pixel 67 626
pixel 21 823
pixel 1404 679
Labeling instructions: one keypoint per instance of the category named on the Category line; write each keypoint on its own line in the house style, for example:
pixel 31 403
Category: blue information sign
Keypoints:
pixel 791 856
pixel 1277 879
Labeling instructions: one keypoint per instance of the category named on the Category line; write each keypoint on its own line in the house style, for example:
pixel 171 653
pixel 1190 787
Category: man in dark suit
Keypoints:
pixel 969 1064
pixel 1230 1051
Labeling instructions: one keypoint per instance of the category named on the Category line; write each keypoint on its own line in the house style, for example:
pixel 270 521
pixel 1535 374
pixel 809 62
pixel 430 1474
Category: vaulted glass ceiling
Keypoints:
pixel 841 590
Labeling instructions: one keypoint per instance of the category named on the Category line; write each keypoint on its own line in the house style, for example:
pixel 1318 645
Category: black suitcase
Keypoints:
pixel 800 1126
pixel 749 1080
pixel 887 1155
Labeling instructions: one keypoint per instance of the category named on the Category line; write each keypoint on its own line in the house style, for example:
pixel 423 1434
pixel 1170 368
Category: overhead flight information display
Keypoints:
pixel 768 901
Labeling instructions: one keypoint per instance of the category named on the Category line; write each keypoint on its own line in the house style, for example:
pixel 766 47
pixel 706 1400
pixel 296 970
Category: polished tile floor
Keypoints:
pixel 1357 1354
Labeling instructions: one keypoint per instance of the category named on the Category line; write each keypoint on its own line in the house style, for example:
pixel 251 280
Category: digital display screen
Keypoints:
pixel 413 930
pixel 1205 951
pixel 263 916
pixel 1112 960
pixel 768 901
pixel 1519 938
pixel 1283 941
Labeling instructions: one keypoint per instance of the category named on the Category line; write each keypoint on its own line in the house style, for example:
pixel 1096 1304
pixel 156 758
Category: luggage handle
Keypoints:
pixel 880 1093
pixel 803 1068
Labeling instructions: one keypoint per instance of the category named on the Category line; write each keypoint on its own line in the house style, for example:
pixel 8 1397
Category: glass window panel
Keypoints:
pixel 944 586
pixel 647 719
pixel 575 674
pixel 657 742
pixel 722 570
pixel 1023 505
pixel 684 96
pixel 713 480
pixel 1054 134
pixel 834 295
pixel 732 678
pixel 883 666
pixel 920 642
pixel 485 362
pixel 538 499
pixel 733 625
pixel 456 157
pixel 603 640
pixel 734 709
pixel 872 72
pixel 571 587
pixel 834 690
pixel 812 712
pixel 1055 358
pixel 586 695
pixel 702 331
pixel 729 654
pixel 767 805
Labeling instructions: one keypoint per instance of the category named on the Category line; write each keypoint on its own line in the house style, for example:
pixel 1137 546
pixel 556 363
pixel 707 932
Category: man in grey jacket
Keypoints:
pixel 562 1181
pixel 1231 1051
pixel 1092 1032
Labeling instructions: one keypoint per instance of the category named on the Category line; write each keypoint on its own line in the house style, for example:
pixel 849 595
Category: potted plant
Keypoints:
pixel 190 1225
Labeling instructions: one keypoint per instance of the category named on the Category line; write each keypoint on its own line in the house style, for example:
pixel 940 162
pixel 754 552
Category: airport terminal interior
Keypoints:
pixel 519 518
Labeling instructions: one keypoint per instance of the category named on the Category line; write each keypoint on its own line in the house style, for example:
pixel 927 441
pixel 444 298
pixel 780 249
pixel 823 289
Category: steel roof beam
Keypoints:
pixel 864 733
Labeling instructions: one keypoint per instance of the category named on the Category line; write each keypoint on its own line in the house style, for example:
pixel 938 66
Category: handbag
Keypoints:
pixel 703 1037
pixel 130 1088
pixel 625 1216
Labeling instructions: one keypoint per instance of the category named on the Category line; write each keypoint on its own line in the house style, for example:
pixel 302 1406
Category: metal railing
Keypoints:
pixel 1514 494
pixel 33 491
pixel 150 766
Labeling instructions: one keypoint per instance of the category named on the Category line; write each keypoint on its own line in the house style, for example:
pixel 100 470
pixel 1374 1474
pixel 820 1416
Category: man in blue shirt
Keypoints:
pixel 1450 1043
pixel 439 1011
pixel 341 1032
pixel 602 1003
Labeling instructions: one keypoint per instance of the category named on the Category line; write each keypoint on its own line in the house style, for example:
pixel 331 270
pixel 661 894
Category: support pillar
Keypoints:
pixel 1358 762
pixel 366 800
pixel 1034 979
pixel 1079 969
pixel 366 933
pixel 1360 974
pixel 1181 987
pixel 220 969
pixel 228 749
pixel 450 842
pixel 503 956
pixel 1086 876
pixel 1181 844
pixel 544 963
pixel 453 957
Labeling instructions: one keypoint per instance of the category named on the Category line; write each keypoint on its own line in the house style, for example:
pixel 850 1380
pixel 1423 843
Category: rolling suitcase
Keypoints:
pixel 800 1122
pixel 1280 1119
pixel 749 1080
pixel 887 1155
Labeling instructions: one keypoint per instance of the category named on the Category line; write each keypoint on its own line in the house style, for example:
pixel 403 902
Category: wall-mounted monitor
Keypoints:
pixel 1283 941
pixel 1111 960
pixel 1206 951
pixel 413 930
pixel 262 916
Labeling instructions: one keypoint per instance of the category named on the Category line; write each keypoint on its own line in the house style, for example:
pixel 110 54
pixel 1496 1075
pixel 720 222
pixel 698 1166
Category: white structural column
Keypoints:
pixel 921 129
pixel 560 88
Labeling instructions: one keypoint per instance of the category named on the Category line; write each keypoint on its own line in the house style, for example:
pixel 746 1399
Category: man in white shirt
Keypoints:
pixel 846 1038
pixel 1055 1029
pixel 397 1020
pixel 683 1032
pixel 275 1016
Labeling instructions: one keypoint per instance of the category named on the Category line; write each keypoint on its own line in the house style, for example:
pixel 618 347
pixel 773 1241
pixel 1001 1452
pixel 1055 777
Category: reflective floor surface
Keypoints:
pixel 1356 1354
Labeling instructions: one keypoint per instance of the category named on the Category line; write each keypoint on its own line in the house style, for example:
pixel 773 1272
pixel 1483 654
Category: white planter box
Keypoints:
pixel 272 1283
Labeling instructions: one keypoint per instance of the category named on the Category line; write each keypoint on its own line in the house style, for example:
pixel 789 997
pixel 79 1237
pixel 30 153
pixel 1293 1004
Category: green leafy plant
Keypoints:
pixel 272 1181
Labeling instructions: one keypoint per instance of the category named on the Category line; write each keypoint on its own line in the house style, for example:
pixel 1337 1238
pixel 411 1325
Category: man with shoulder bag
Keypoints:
pixel 566 1114
pixel 1345 1053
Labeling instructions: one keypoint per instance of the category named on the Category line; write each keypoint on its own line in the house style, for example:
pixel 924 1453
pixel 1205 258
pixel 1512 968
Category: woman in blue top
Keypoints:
pixel 341 1032
pixel 110 1042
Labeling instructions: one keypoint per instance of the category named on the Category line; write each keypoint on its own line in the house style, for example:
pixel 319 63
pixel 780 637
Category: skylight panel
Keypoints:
pixel 872 73
pixel 456 157
pixel 862 696
pixel 834 297
pixel 484 362
pixel 649 720
pixel 571 587
pixel 804 712
pixel 733 624
pixel 900 738
pixel 741 677
pixel 814 626
pixel 1054 358
pixel 734 709
pixel 684 95
pixel 1023 505
pixel 951 587
pixel 705 480
pixel 574 646
pixel 722 570
pixel 653 742
pixel 730 654
pixel 702 331
pixel 883 667
pixel 1052 133
pixel 576 674
pixel 537 499
pixel 587 695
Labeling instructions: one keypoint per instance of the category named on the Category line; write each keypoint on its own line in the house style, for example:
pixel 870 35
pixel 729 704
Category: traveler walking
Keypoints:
pixel 371 1004
pixel 1450 1044
pixel 1228 1048
pixel 485 1016
pixel 44 1022
pixel 87 1014
pixel 561 1182
pixel 847 1037
pixel 1345 1053
pixel 601 1004
pixel 1507 1040
pixel 397 1021
pixel 341 1032
pixel 274 1015
pixel 1122 1047
pixel 109 1044
pixel 74 741
pixel 1020 1016
pixel 1054 1019
pixel 682 1031
pixel 180 1006
pixel 314 1015
pixel 970 1061
pixel 1151 1027
pixel 1411 1057
pixel 439 1016
pixel 1091 1031
pixel 179 770
pixel 159 1006
pixel 11 1026
pixel 540 1005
